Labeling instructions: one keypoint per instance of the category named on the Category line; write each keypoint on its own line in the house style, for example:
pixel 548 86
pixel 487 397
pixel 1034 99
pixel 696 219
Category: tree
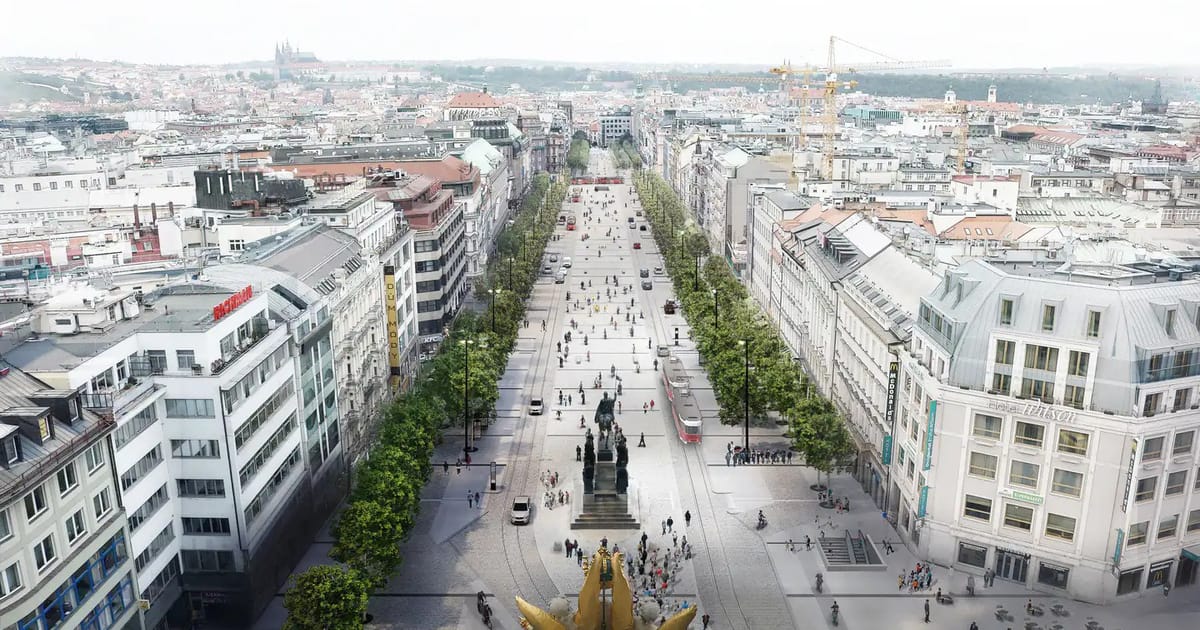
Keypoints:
pixel 368 537
pixel 326 598
pixel 821 437
pixel 393 478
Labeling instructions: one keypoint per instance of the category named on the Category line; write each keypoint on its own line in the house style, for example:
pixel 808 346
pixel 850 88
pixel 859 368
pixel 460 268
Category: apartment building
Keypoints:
pixel 485 216
pixel 1047 427
pixel 67 559
pixel 614 125
pixel 227 441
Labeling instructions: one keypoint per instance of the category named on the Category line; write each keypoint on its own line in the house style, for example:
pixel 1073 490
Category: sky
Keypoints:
pixel 1014 33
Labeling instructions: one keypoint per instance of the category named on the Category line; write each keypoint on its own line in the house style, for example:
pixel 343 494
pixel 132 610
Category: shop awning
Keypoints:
pixel 1191 553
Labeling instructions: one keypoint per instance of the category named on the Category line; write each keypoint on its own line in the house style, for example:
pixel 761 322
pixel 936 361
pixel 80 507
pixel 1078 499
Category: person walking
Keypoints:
pixel 578 453
pixel 664 528
pixel 469 498
pixel 642 440
pixel 926 611
pixel 445 467
pixel 687 518
pixel 458 466
pixel 704 619
pixel 567 545
pixel 478 503
pixel 670 523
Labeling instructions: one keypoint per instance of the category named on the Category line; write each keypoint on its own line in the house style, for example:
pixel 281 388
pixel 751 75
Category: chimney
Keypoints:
pixel 171 208
pixel 137 222
pixel 153 212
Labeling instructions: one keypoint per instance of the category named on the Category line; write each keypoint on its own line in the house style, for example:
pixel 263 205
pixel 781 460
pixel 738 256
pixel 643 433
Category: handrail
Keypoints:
pixel 43 467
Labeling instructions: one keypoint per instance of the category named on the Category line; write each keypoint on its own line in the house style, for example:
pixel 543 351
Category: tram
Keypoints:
pixel 684 411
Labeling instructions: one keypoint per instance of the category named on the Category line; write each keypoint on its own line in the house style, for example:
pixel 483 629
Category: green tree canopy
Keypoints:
pixel 326 598
pixel 368 539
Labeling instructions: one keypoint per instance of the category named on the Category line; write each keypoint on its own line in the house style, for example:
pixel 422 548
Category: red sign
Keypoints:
pixel 233 302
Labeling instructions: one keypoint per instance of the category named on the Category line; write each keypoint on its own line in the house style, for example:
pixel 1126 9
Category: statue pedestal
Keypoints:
pixel 604 507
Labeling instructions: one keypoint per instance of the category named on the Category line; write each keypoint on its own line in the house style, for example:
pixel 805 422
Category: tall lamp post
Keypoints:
pixel 696 275
pixel 716 309
pixel 493 293
pixel 510 264
pixel 745 344
pixel 466 344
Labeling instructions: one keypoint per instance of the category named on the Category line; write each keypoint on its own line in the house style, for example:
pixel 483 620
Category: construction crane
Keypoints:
pixel 787 74
pixel 832 84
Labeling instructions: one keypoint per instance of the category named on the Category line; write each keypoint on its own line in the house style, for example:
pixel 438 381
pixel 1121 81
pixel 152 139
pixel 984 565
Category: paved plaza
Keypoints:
pixel 742 577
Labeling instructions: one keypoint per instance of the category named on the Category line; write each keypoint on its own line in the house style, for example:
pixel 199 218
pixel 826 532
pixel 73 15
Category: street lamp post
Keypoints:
pixel 467 447
pixel 696 275
pixel 510 264
pixel 716 309
pixel 746 393
pixel 492 293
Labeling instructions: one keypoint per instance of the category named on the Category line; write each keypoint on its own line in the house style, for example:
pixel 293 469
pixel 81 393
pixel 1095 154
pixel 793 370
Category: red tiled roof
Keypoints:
pixel 985 228
pixel 474 100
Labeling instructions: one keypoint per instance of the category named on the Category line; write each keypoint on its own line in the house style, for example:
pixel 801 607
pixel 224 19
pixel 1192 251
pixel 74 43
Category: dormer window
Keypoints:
pixel 10 449
pixel 1006 312
pixel 1048 313
pixel 1169 323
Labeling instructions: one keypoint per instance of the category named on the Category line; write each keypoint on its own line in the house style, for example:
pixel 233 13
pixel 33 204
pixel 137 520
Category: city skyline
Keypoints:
pixel 636 34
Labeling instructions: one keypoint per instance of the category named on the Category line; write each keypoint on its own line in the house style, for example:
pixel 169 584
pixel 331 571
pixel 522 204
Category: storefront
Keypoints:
pixel 1011 565
pixel 1189 563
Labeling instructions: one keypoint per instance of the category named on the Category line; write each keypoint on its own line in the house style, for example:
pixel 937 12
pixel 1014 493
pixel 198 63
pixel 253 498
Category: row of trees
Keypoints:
pixel 625 154
pixel 385 500
pixel 578 155
pixel 731 331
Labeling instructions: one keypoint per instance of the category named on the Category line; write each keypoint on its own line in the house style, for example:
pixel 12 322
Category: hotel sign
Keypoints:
pixel 232 303
pixel 1033 409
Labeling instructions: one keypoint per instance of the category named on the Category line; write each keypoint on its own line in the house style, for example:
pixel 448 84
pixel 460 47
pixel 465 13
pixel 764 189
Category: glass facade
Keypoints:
pixel 76 589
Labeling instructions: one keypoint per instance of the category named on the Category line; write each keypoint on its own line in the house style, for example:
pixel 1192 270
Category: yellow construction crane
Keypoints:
pixel 787 78
pixel 831 70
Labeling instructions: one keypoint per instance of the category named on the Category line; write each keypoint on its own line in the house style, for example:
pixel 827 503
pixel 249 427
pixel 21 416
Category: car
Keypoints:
pixel 632 225
pixel 566 262
pixel 644 273
pixel 639 213
pixel 521 509
pixel 560 277
pixel 647 285
pixel 637 244
pixel 547 269
pixel 669 307
pixel 553 257
pixel 536 407
pixel 658 271
pixel 664 351
pixel 642 227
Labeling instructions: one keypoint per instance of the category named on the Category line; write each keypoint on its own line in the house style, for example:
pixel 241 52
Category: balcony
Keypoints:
pixel 220 365
pixel 387 244
pixel 1148 373
pixel 114 403
pixel 43 467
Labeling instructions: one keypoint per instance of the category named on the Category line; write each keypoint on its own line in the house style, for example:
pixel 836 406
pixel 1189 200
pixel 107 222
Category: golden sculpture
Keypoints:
pixel 602 572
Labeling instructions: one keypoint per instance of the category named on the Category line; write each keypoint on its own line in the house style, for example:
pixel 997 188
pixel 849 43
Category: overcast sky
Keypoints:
pixel 1025 33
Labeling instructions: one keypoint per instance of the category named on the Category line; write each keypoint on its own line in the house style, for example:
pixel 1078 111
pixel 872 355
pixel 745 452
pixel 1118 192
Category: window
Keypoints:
pixel 1048 311
pixel 1093 324
pixel 983 465
pixel 147 463
pixel 1137 533
pixel 1151 404
pixel 1182 398
pixel 201 488
pixel 155 547
pixel 272 486
pixel 102 503
pixel 10 580
pixel 1067 482
pixel 9 451
pixel 94 457
pixel 1042 358
pixel 5 526
pixel 35 503
pixel 43 552
pixel 69 184
pixel 76 527
pixel 207 560
pixel 205 525
pixel 185 359
pixel 53 185
pixel 1072 442
pixel 1146 488
pixel 1023 474
pixel 190 408
pixel 37 186
pixel 1193 522
pixel 1167 527
pixel 260 416
pixel 162 580
pixel 1130 581
pixel 1006 312
pixel 195 448
pixel 237 244
pixel 264 453
pixel 973 555
pixel 68 479
pixel 1006 351
pixel 1060 526
pixel 987 426
pixel 134 426
pixel 1176 482
pixel 1018 516
pixel 1077 363
pixel 1038 388
pixel 1152 449
pixel 978 507
pixel 18 187
pixel 1053 575
pixel 149 508
pixel 1183 442
pixel 1169 325
pixel 1029 434
pixel 1073 396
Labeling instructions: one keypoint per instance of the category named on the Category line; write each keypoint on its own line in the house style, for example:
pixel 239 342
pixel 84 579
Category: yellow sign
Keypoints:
pixel 393 327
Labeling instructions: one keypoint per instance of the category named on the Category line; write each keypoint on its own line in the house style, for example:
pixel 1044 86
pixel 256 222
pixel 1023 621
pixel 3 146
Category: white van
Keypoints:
pixel 566 262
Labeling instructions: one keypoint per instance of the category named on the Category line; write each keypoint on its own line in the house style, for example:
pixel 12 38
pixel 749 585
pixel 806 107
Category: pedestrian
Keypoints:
pixel 579 556
pixel 789 457
pixel 664 528
pixel 642 440
pixel 728 456
pixel 926 611
pixel 567 544
pixel 645 408
pixel 687 518
pixel 846 503
pixel 807 543
pixel 900 581
pixel 469 498
pixel 675 540
pixel 458 466
pixel 445 467
pixel 670 523
pixel 618 406
pixel 578 453
pixel 478 503
pixel 704 619
pixel 651 404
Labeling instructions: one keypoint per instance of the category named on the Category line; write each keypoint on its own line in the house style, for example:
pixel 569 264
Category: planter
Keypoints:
pixel 819 487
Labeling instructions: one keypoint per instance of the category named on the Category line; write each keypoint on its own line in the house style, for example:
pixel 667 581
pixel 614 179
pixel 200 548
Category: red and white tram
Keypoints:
pixel 684 410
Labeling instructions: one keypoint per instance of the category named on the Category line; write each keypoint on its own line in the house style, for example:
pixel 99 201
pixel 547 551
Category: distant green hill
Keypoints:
pixel 18 86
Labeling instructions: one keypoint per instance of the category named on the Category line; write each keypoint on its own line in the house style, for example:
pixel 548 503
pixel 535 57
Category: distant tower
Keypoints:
pixel 991 94
pixel 950 97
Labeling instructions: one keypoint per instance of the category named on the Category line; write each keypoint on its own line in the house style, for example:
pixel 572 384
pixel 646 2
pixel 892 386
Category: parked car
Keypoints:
pixel 560 277
pixel 658 271
pixel 566 262
pixel 669 307
pixel 535 407
pixel 519 514
pixel 547 270
pixel 645 273
pixel 647 285
pixel 642 227
pixel 664 351
pixel 637 244
pixel 553 257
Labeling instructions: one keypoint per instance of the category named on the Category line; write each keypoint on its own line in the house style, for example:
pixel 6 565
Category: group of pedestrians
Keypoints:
pixel 919 579
pixel 743 457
